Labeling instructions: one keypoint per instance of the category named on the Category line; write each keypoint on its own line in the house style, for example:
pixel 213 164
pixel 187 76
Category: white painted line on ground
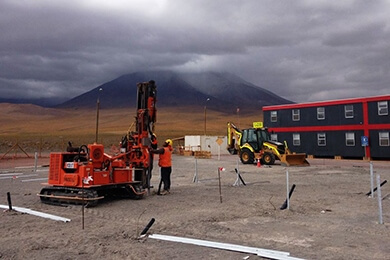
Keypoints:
pixel 28 167
pixel 37 213
pixel 39 179
pixel 11 174
pixel 28 175
pixel 18 176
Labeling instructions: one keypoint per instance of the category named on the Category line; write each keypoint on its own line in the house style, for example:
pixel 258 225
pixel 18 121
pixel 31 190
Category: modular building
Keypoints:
pixel 213 144
pixel 348 128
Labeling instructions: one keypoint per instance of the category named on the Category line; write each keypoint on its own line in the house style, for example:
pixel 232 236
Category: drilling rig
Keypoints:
pixel 86 174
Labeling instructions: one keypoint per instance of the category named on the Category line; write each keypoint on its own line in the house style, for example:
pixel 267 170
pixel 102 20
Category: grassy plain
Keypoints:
pixel 47 129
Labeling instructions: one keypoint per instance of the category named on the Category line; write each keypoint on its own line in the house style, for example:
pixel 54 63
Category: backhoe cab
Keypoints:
pixel 255 144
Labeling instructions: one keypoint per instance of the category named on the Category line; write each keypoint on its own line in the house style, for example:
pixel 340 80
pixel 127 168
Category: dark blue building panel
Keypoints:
pixel 376 115
pixel 334 128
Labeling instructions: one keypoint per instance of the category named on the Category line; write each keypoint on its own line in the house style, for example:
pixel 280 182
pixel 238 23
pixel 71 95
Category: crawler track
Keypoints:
pixel 63 196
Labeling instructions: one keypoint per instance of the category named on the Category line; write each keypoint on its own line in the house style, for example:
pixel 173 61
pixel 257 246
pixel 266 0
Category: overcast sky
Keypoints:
pixel 302 50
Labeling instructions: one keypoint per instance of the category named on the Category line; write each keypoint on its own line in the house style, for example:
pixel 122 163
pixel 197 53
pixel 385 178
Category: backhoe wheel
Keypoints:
pixel 246 156
pixel 268 158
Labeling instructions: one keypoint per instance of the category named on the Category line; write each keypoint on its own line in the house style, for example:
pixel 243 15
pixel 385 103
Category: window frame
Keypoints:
pixel 346 111
pixel 296 116
pixel 274 137
pixel 294 135
pixel 320 114
pixel 385 138
pixel 383 105
pixel 274 116
pixel 321 139
pixel 349 139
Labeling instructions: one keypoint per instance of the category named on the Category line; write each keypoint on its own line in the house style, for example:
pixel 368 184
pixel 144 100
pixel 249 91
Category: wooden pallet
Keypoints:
pixel 188 153
pixel 338 157
pixel 202 154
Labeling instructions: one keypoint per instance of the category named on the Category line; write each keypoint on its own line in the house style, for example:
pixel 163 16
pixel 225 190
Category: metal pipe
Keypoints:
pixel 288 192
pixel 371 179
pixel 35 161
pixel 219 181
pixel 195 179
pixel 147 226
pixel 9 201
pixel 383 183
pixel 240 178
pixel 378 181
pixel 284 206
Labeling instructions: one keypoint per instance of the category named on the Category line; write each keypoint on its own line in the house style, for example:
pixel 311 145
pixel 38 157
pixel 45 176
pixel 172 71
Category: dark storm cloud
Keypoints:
pixel 301 50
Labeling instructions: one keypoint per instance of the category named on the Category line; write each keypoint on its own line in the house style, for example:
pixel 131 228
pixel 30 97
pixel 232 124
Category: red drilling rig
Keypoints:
pixel 86 174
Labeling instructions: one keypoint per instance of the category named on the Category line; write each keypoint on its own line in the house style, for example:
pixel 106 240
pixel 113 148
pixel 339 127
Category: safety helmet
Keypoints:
pixel 169 142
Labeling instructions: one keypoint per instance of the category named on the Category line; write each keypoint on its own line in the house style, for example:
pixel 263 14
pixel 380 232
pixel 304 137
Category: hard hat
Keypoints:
pixel 169 142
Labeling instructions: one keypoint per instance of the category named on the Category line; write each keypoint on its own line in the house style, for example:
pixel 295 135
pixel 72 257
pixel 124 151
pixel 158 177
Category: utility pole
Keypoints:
pixel 97 114
pixel 205 108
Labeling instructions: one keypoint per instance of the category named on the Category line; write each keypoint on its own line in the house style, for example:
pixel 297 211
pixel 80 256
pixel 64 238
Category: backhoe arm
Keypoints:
pixel 234 136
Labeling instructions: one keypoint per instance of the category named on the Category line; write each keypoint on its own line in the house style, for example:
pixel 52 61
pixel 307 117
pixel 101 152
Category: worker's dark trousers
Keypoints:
pixel 166 177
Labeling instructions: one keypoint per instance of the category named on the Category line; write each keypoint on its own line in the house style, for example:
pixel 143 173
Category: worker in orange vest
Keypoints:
pixel 165 163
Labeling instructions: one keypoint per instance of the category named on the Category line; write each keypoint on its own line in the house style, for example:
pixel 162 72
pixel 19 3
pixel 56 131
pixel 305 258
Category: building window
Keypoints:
pixel 274 137
pixel 321 139
pixel 348 109
pixel 274 116
pixel 295 115
pixel 384 139
pixel 383 109
pixel 296 139
pixel 350 139
pixel 320 113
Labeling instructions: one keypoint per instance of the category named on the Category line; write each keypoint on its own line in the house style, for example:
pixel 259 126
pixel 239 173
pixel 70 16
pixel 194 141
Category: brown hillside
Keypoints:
pixel 49 129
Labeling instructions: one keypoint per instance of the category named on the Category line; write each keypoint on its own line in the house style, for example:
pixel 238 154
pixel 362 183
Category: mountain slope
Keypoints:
pixel 225 92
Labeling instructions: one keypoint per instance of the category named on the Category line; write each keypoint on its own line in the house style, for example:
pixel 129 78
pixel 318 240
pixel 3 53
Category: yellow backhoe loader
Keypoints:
pixel 255 144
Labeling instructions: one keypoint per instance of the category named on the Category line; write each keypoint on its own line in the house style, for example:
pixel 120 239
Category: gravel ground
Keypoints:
pixel 330 216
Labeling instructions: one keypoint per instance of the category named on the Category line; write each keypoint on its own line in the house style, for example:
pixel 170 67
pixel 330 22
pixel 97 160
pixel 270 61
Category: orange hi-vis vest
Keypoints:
pixel 165 159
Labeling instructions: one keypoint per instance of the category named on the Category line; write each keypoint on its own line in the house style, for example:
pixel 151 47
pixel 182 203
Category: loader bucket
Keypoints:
pixel 296 159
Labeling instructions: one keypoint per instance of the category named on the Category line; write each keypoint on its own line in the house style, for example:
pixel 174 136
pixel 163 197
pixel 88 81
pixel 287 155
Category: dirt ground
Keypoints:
pixel 330 216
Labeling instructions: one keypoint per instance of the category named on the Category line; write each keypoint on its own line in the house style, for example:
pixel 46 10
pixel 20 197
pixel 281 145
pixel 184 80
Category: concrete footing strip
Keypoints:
pixel 36 213
pixel 271 254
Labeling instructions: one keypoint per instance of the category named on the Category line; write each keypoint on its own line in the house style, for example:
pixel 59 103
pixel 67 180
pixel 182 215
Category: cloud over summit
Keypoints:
pixel 301 50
